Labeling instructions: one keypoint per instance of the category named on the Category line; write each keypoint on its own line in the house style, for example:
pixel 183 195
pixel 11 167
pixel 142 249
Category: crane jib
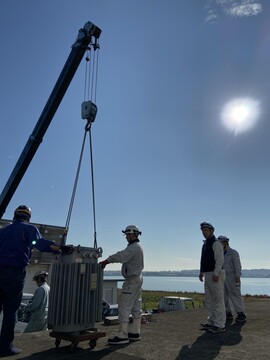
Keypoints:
pixel 87 36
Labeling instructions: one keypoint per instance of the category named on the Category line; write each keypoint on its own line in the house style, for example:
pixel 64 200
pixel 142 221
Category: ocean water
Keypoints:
pixel 251 286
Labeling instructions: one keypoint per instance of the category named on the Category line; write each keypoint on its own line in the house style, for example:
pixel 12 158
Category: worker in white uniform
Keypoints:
pixel 38 307
pixel 213 275
pixel 130 301
pixel 232 291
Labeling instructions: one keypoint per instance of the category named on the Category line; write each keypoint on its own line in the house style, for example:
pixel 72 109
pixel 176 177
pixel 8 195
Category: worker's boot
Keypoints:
pixel 134 333
pixel 121 337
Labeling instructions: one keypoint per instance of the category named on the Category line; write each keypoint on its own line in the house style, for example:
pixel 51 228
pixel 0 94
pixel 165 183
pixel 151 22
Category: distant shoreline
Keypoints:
pixel 253 273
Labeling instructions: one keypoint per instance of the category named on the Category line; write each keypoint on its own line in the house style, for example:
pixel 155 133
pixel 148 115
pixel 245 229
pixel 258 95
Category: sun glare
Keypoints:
pixel 240 115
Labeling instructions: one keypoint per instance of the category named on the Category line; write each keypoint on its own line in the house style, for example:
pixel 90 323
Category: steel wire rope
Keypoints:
pixel 86 76
pixel 75 186
pixel 93 94
pixel 87 86
pixel 93 187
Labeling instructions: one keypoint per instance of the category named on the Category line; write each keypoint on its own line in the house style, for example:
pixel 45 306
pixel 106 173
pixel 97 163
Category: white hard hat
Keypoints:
pixel 40 275
pixel 207 225
pixel 132 229
pixel 223 238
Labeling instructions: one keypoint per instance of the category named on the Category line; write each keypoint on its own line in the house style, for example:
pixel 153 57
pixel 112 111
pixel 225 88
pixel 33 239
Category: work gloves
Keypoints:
pixel 66 249
pixel 104 263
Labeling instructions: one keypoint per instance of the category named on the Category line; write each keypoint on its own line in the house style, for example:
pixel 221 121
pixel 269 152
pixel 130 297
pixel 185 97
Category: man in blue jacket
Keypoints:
pixel 16 243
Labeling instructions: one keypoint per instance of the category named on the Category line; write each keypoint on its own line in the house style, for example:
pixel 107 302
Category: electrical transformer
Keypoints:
pixel 75 301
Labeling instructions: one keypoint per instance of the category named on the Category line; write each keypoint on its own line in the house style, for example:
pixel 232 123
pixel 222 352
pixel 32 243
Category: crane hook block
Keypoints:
pixel 89 111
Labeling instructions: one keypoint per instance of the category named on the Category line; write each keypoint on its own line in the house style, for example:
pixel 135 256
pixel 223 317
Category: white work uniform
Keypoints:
pixel 233 268
pixel 38 309
pixel 130 301
pixel 214 291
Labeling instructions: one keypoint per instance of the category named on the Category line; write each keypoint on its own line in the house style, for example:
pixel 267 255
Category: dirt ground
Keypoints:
pixel 169 336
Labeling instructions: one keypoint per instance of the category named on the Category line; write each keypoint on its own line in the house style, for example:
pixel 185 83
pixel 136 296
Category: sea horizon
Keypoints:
pixel 249 286
pixel 248 273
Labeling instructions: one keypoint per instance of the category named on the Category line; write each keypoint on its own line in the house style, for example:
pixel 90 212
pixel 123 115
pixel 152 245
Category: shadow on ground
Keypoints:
pixel 208 345
pixel 65 352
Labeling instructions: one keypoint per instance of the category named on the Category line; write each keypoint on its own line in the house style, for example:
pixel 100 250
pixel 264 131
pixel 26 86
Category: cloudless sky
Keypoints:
pixel 163 159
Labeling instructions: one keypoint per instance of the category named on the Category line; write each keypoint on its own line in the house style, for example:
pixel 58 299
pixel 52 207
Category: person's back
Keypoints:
pixel 16 243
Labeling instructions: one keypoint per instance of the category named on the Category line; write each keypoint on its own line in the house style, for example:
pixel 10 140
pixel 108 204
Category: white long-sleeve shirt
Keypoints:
pixel 232 263
pixel 39 305
pixel 131 258
pixel 219 257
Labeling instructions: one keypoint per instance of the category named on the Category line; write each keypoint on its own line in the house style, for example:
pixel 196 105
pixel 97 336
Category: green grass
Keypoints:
pixel 150 299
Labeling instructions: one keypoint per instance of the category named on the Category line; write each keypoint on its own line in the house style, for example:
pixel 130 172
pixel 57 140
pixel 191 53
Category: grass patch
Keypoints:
pixel 249 297
pixel 150 299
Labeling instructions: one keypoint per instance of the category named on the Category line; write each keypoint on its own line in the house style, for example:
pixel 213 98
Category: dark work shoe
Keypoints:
pixel 13 351
pixel 241 317
pixel 216 329
pixel 118 341
pixel 229 315
pixel 206 326
pixel 134 337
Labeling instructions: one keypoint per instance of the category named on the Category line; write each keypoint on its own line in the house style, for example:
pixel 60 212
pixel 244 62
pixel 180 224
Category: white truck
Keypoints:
pixel 175 303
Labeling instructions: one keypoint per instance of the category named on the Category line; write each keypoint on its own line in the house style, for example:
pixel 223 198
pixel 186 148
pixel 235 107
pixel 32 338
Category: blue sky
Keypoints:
pixel 163 157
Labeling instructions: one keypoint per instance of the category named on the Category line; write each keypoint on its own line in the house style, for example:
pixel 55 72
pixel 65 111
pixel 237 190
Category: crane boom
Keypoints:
pixel 89 34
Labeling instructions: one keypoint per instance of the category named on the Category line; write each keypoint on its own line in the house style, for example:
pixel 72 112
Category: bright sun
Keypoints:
pixel 240 114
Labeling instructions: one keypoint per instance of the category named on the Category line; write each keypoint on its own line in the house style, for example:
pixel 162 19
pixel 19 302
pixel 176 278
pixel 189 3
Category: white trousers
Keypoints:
pixel 36 325
pixel 232 292
pixel 130 301
pixel 214 299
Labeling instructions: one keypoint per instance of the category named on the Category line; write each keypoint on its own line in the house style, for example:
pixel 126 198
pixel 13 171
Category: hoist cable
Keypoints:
pixel 87 60
pixel 90 83
pixel 92 94
pixel 96 74
pixel 75 183
pixel 93 188
pixel 91 77
pixel 93 89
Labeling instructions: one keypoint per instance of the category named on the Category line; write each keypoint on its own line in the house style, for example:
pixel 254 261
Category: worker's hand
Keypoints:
pixel 215 278
pixel 237 279
pixel 201 276
pixel 67 249
pixel 104 263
